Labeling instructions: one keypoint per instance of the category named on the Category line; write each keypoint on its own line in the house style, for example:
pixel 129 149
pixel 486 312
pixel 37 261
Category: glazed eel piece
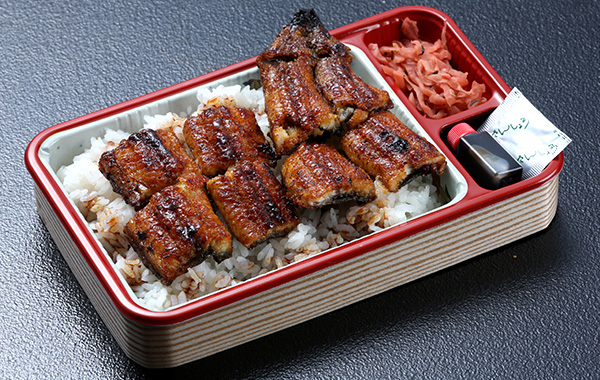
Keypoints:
pixel 145 163
pixel 220 136
pixel 253 203
pixel 316 175
pixel 178 229
pixel 390 151
pixel 309 86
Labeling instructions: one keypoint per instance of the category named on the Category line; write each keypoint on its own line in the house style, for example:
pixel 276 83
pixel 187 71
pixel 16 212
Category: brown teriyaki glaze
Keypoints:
pixel 253 203
pixel 178 228
pixel 316 175
pixel 144 164
pixel 390 151
pixel 309 86
pixel 220 136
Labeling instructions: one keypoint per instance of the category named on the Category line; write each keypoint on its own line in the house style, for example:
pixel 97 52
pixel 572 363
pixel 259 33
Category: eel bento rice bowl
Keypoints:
pixel 319 229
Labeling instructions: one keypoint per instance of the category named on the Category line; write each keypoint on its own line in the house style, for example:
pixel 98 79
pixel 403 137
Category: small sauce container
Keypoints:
pixel 483 157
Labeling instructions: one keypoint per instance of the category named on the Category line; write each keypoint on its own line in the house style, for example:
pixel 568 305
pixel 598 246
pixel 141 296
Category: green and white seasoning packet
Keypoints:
pixel 525 133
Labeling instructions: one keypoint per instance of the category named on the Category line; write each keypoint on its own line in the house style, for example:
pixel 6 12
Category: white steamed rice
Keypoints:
pixel 107 213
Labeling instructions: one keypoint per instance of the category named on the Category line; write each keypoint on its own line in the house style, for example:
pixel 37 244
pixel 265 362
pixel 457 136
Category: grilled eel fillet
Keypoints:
pixel 220 136
pixel 304 35
pixel 390 151
pixel 295 107
pixel 316 175
pixel 177 229
pixel 353 99
pixel 253 203
pixel 144 164
pixel 309 84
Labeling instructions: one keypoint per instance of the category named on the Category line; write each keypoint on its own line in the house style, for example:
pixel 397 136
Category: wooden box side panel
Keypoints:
pixel 318 293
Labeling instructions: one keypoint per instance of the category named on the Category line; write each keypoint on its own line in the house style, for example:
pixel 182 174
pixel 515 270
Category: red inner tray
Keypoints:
pixel 381 28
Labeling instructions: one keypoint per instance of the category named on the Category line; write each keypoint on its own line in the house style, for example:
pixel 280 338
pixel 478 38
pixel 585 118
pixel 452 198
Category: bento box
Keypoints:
pixel 470 221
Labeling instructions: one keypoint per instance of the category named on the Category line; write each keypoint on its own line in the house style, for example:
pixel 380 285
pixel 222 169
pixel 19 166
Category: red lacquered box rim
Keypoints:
pixel 112 284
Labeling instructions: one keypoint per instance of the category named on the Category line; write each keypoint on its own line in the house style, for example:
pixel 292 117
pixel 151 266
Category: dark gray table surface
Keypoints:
pixel 527 310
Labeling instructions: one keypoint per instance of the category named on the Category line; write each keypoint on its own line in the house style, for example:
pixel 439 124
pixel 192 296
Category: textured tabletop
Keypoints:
pixel 526 310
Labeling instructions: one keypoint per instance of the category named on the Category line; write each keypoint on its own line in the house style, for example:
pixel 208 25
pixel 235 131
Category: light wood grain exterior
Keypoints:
pixel 318 293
